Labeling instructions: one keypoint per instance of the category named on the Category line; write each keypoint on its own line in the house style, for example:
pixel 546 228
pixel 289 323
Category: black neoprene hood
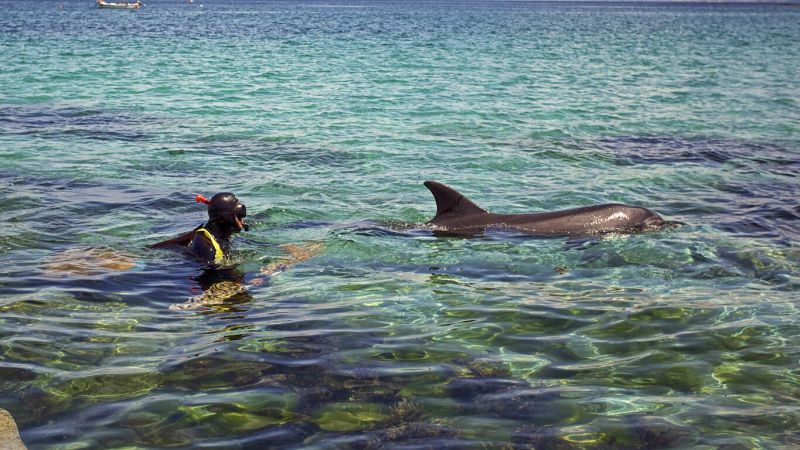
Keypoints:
pixel 226 208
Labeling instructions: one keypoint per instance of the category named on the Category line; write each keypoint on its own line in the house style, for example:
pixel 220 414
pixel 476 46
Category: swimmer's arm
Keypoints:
pixel 296 253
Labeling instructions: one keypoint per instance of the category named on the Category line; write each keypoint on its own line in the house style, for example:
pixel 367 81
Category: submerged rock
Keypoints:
pixel 416 431
pixel 469 388
pixel 634 432
pixel 342 417
pixel 87 261
pixel 9 435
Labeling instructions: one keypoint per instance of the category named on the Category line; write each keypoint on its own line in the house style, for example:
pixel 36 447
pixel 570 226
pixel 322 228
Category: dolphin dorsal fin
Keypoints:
pixel 450 201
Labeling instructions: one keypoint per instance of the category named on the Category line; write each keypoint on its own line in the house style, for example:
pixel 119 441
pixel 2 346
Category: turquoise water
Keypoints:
pixel 325 118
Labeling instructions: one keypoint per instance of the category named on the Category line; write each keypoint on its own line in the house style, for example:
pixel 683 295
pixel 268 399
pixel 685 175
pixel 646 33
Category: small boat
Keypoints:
pixel 127 5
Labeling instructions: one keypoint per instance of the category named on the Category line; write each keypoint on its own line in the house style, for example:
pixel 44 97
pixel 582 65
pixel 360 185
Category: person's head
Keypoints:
pixel 227 212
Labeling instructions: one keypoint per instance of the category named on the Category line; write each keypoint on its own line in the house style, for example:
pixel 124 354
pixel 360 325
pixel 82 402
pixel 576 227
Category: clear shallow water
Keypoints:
pixel 325 118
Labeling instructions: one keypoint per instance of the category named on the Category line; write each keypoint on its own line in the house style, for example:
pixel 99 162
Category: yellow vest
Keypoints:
pixel 218 254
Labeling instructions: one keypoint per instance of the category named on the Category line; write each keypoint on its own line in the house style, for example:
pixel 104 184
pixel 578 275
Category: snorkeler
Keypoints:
pixel 212 241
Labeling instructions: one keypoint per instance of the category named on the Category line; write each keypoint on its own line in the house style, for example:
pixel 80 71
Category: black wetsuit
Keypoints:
pixel 209 243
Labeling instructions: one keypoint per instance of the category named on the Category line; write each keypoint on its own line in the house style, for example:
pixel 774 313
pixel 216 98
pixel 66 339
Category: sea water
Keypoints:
pixel 325 117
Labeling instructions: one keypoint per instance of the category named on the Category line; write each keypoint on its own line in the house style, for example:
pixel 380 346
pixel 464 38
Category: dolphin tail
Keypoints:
pixel 450 202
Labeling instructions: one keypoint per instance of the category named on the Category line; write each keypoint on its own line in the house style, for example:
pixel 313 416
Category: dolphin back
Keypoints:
pixel 450 203
pixel 455 212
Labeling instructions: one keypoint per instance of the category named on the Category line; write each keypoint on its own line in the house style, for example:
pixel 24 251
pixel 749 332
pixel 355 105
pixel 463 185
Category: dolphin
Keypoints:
pixel 456 214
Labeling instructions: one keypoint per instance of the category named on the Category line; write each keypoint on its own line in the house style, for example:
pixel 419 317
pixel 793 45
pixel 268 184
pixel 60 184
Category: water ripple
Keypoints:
pixel 325 120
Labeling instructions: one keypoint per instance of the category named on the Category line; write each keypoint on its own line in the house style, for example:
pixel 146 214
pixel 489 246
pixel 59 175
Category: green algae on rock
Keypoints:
pixel 351 416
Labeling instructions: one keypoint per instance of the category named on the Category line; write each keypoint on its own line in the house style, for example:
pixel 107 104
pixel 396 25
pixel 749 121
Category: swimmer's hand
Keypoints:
pixel 274 267
pixel 302 252
pixel 295 253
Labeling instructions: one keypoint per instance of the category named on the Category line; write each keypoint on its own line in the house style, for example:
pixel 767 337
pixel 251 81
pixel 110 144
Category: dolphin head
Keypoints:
pixel 649 220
